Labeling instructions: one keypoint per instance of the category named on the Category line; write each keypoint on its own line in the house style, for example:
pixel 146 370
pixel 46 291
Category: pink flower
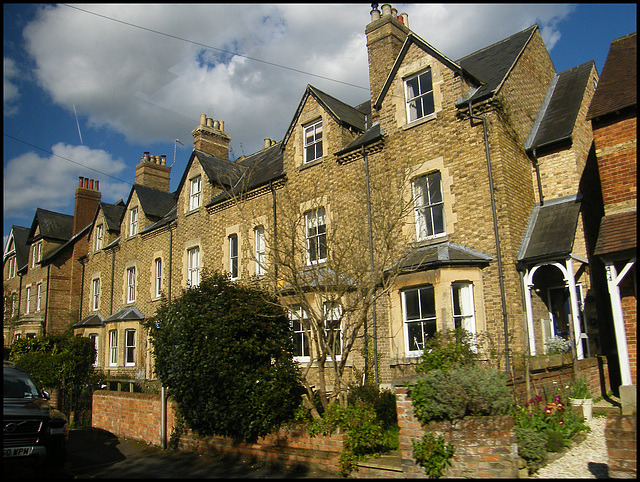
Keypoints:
pixel 538 398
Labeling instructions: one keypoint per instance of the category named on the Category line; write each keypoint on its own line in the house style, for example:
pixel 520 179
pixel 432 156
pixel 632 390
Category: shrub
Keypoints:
pixel 531 447
pixel 447 350
pixel 225 352
pixel 432 454
pixel 382 401
pixel 453 394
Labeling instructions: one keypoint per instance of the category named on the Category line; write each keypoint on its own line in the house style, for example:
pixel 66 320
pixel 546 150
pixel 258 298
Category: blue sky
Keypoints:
pixel 89 88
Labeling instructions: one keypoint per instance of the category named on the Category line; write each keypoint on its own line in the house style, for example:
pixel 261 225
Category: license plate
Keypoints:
pixel 17 451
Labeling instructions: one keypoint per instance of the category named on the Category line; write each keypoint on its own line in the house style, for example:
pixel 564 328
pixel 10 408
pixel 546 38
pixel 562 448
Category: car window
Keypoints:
pixel 19 385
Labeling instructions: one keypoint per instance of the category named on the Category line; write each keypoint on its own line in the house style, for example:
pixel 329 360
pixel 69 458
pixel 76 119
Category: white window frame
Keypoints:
pixel 36 254
pixel 133 221
pixel 312 139
pixel 260 250
pixel 130 336
pixel 28 301
pixel 300 327
pixel 195 192
pixel 316 234
pixel 233 256
pixel 99 236
pixel 463 306
pixel 38 297
pixel 113 348
pixel 158 277
pixel 131 284
pixel 428 205
pixel 95 294
pixel 420 320
pixel 332 313
pixel 193 267
pixel 416 101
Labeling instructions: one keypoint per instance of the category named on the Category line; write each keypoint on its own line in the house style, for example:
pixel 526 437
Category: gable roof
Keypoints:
pixel 492 65
pixel 258 170
pixel 617 87
pixel 550 230
pixel 559 110
pixel 413 39
pixel 52 254
pixel 154 203
pixel 20 236
pixel 343 114
pixel 113 214
pixel 52 225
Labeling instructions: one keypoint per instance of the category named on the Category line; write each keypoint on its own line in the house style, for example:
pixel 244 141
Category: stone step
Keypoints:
pixel 389 462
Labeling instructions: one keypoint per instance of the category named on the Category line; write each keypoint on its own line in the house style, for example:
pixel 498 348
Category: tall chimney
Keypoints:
pixel 210 137
pixel 153 172
pixel 385 35
pixel 86 203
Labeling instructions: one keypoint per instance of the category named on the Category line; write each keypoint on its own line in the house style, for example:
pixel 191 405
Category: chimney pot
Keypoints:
pixel 203 119
pixel 91 184
pixel 97 185
pixel 209 122
pixel 80 181
pixel 86 183
pixel 386 10
pixel 404 18
pixel 222 126
pixel 163 159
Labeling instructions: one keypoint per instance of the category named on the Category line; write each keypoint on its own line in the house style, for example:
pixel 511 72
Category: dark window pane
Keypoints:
pixel 411 305
pixel 428 303
pixel 415 336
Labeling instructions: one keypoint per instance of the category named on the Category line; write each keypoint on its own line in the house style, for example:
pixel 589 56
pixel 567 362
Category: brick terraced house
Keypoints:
pixel 461 194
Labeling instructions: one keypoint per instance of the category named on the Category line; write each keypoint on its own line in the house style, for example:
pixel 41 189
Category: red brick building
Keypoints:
pixel 614 119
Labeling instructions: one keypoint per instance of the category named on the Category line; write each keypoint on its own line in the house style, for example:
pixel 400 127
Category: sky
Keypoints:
pixel 89 88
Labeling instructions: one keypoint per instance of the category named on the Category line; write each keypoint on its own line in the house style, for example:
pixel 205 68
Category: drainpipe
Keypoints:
pixel 495 231
pixel 537 167
pixel 275 231
pixel 46 303
pixel 81 291
pixel 170 262
pixel 113 267
pixel 373 274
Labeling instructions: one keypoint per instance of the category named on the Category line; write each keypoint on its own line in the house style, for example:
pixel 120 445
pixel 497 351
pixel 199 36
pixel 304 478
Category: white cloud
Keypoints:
pixel 31 181
pixel 11 93
pixel 152 87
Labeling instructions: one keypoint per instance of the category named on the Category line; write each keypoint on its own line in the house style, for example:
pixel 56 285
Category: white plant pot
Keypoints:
pixel 586 404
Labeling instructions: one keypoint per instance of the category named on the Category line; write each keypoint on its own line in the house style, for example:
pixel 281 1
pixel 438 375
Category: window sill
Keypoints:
pixel 432 240
pixel 422 120
pixel 192 211
pixel 307 165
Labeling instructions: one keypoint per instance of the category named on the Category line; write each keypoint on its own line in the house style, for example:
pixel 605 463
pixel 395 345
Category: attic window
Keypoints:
pixel 419 95
pixel 313 142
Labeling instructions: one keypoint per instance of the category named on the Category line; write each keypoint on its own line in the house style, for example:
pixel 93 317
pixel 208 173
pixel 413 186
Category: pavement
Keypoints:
pixel 95 453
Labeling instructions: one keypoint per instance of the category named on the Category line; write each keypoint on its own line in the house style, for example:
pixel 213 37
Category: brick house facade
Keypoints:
pixel 613 115
pixel 447 156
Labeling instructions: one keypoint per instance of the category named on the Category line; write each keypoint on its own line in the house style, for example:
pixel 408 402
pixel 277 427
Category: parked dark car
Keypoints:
pixel 33 429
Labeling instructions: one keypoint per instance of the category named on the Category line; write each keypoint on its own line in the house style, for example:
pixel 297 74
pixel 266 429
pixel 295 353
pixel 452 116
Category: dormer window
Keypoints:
pixel 419 95
pixel 194 200
pixel 313 142
pixel 133 222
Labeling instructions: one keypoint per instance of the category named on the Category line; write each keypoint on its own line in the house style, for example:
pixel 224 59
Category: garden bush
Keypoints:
pixel 456 393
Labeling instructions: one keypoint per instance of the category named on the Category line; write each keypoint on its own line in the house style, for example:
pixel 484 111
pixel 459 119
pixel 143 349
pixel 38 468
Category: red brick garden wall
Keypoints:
pixel 622 445
pixel 485 447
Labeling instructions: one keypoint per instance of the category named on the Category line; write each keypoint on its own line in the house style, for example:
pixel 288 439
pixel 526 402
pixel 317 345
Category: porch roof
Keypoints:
pixel 618 232
pixel 91 320
pixel 128 313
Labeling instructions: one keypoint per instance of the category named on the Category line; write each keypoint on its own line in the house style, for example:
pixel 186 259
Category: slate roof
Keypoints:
pixel 52 225
pixel 91 320
pixel 113 214
pixel 51 254
pixel 617 87
pixel 154 203
pixel 551 230
pixel 557 116
pixel 618 232
pixel 491 65
pixel 128 313
pixel 445 253
pixel 370 136
pixel 20 237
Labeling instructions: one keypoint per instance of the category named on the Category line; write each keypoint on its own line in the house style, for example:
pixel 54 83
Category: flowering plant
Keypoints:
pixel 557 345
pixel 580 389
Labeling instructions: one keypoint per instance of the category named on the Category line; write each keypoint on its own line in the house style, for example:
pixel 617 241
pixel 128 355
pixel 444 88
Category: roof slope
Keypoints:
pixel 551 230
pixel 559 111
pixel 617 87
pixel 492 64
pixel 618 232
pixel 20 237
pixel 52 225
pixel 154 203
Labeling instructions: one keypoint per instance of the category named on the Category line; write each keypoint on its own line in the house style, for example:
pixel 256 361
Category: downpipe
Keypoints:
pixel 496 234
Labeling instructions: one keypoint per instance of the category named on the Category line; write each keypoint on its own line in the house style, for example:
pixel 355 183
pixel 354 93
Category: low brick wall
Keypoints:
pixel 485 447
pixel 137 416
pixel 622 445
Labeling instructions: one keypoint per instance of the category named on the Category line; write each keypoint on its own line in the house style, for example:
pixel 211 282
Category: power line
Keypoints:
pixel 66 159
pixel 214 48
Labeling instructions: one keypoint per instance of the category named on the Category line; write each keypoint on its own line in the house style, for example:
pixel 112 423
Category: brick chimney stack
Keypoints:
pixel 385 36
pixel 86 203
pixel 210 137
pixel 153 172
